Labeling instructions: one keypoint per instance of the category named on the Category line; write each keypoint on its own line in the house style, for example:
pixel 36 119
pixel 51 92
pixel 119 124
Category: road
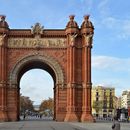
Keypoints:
pixel 38 125
pixel 52 125
pixel 101 126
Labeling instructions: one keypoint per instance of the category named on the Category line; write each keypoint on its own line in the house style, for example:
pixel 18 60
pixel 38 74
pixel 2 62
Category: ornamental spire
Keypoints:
pixel 87 23
pixel 72 23
pixel 3 23
pixel 72 26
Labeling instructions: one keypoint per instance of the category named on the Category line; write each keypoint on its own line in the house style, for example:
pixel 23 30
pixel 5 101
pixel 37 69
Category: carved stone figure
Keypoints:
pixel 2 39
pixel 37 29
pixel 72 38
pixel 88 39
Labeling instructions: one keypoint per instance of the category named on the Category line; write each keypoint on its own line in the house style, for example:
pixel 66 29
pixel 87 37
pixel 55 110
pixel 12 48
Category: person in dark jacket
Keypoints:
pixel 116 124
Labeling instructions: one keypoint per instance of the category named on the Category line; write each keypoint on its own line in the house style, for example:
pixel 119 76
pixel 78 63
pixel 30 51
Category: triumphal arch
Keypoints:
pixel 64 53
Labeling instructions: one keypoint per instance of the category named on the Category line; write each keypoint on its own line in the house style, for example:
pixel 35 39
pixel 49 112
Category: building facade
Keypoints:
pixel 117 102
pixel 103 104
pixel 125 99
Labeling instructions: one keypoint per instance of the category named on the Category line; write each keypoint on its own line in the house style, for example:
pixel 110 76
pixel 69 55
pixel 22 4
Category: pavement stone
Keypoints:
pixel 52 125
pixel 101 126
pixel 38 125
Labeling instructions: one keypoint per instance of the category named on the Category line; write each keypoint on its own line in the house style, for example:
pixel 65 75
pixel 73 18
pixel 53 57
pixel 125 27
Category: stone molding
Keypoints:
pixel 56 67
pixel 49 33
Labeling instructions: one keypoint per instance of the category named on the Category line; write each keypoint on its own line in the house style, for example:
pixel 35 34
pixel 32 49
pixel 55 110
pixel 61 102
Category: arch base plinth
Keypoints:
pixel 3 116
pixel 87 118
pixel 71 117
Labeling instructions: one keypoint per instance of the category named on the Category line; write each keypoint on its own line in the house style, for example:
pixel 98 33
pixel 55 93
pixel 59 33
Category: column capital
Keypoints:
pixel 87 85
pixel 71 85
pixel 3 83
pixel 60 85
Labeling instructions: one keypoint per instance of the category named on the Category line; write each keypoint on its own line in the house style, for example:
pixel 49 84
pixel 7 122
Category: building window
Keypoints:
pixel 104 110
pixel 96 93
pixel 104 92
pixel 110 105
pixel 110 110
pixel 105 104
pixel 110 93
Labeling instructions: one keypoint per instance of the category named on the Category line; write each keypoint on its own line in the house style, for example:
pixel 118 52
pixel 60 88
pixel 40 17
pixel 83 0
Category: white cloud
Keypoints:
pixel 89 4
pixel 81 6
pixel 36 84
pixel 103 7
pixel 102 4
pixel 109 22
pixel 111 72
pixel 125 29
pixel 120 27
pixel 111 63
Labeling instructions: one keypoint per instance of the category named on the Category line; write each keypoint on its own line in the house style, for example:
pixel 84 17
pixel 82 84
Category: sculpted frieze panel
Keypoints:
pixel 39 42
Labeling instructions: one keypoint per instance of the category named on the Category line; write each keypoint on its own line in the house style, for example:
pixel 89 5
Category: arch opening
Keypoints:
pixel 36 65
pixel 30 62
pixel 36 86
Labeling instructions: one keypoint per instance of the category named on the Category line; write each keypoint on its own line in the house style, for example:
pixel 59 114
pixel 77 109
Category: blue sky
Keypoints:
pixel 111 42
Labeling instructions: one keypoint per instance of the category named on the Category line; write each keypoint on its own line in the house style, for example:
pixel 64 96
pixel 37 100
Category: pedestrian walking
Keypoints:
pixel 116 124
pixel 24 116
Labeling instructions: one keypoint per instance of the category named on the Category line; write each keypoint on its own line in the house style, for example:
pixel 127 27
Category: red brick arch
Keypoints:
pixel 44 62
pixel 50 61
pixel 64 53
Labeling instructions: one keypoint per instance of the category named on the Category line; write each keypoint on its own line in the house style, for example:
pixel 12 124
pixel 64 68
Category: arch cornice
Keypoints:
pixel 49 60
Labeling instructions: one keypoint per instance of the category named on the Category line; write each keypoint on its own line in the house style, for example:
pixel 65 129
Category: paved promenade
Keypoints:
pixel 51 125
pixel 101 126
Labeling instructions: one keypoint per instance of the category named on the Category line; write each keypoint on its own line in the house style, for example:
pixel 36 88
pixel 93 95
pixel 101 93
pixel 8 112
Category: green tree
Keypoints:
pixel 26 104
pixel 47 106
pixel 97 105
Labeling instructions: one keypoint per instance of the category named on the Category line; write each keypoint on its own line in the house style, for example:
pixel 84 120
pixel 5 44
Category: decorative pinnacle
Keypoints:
pixel 71 17
pixel 2 17
pixel 86 17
